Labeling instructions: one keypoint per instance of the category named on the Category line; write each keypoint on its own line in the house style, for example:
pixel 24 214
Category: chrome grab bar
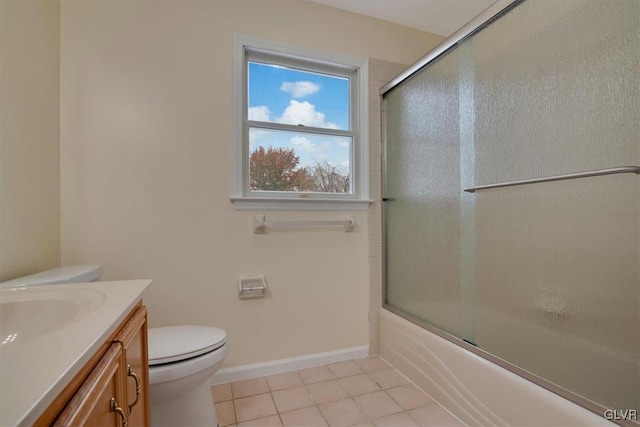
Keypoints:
pixel 598 172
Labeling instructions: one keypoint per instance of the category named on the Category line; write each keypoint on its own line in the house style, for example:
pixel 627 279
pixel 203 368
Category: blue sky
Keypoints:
pixel 284 95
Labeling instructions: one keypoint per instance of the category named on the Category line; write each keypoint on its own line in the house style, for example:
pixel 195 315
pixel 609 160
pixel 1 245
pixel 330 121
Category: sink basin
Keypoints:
pixel 51 333
pixel 31 312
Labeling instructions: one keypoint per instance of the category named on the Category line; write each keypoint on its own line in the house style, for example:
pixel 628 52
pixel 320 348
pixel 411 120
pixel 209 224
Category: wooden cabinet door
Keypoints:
pixel 98 402
pixel 133 338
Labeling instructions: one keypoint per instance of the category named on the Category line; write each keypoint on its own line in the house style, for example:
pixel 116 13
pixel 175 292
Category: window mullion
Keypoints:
pixel 294 128
pixel 305 64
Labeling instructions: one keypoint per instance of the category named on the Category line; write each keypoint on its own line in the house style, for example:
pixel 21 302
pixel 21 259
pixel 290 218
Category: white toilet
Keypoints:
pixel 181 361
pixel 181 358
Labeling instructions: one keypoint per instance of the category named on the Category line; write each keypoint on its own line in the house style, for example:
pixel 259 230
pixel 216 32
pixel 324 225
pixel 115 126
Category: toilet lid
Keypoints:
pixel 174 343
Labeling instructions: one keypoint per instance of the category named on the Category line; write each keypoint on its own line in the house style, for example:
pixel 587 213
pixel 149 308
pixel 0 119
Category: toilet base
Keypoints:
pixel 194 408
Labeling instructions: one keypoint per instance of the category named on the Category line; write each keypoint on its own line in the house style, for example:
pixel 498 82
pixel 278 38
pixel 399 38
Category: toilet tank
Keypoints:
pixel 67 274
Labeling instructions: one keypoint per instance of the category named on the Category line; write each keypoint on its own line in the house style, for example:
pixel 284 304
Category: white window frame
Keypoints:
pixel 250 48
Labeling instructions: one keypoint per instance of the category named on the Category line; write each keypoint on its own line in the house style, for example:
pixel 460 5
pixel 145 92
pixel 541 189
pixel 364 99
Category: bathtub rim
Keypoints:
pixel 579 400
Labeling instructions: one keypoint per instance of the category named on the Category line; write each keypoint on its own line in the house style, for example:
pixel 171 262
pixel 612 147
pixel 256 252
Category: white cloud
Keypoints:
pixel 304 113
pixel 300 89
pixel 260 113
pixel 303 143
pixel 256 135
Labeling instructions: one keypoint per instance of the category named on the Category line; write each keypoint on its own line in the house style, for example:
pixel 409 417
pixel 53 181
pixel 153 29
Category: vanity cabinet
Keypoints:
pixel 112 388
pixel 100 399
pixel 133 338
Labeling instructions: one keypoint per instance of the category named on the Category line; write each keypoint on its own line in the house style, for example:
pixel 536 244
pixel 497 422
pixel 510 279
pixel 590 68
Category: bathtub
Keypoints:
pixel 473 389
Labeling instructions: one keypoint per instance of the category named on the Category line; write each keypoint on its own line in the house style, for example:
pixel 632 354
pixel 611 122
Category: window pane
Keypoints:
pixel 299 162
pixel 285 95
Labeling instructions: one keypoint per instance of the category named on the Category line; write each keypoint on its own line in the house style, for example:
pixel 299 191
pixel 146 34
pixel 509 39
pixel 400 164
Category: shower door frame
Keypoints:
pixel 492 13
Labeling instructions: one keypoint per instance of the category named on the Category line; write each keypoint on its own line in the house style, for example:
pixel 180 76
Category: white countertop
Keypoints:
pixel 35 371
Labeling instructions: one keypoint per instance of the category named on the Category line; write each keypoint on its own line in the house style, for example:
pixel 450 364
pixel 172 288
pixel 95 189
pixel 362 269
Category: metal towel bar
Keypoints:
pixel 599 172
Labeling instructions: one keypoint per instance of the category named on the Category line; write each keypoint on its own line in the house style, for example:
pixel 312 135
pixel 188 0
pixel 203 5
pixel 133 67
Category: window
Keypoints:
pixel 299 128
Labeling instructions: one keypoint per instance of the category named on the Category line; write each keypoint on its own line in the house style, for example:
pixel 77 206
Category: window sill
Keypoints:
pixel 288 204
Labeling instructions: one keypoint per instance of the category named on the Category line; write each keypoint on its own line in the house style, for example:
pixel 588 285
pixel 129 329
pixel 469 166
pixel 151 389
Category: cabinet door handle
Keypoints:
pixel 118 410
pixel 135 377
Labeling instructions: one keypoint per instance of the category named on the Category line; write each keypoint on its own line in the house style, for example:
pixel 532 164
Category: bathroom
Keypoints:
pixel 134 163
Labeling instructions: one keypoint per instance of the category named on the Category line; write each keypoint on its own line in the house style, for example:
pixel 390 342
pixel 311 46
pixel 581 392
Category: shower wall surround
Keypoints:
pixel 380 72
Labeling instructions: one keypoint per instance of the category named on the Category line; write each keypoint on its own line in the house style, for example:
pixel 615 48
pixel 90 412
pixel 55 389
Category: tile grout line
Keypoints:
pixel 235 416
pixel 318 404
pixel 274 404
pixel 337 380
pixel 434 402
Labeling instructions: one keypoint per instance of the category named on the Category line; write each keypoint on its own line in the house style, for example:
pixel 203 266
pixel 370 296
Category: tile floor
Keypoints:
pixel 365 392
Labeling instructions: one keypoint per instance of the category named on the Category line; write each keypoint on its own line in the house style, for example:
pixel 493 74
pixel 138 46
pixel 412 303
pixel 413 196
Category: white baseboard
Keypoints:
pixel 257 370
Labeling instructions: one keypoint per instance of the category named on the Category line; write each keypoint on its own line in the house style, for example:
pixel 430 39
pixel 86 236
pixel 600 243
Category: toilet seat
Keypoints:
pixel 186 368
pixel 176 343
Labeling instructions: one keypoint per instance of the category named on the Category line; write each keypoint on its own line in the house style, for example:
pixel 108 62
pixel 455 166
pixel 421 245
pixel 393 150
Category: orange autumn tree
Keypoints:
pixel 276 169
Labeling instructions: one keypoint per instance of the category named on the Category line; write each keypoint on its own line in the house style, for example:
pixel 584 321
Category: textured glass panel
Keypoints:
pixel 558 284
pixel 545 276
pixel 422 227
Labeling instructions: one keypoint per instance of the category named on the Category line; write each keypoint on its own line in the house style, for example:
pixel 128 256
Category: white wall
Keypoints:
pixel 146 155
pixel 29 137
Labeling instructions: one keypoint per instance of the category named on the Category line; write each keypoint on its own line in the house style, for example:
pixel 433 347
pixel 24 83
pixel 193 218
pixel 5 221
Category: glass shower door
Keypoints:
pixel 544 276
pixel 422 237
